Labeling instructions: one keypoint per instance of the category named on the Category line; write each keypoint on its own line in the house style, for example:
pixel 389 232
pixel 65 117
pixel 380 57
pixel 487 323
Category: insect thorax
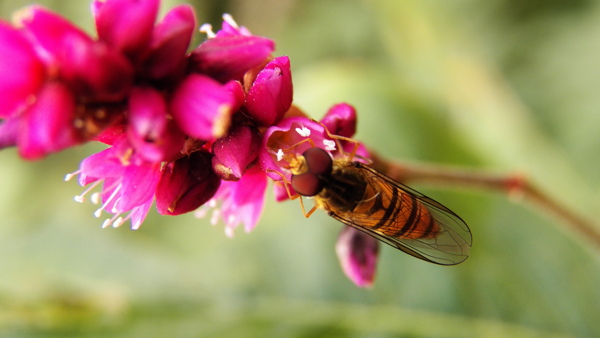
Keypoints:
pixel 344 189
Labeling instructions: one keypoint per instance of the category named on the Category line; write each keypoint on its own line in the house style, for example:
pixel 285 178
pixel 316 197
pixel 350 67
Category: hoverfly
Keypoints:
pixel 363 198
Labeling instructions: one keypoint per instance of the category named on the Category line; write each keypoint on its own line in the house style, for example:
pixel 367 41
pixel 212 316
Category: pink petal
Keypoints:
pixel 202 107
pixel 285 135
pixel 271 93
pixel 186 184
pixel 341 120
pixel 48 125
pixel 21 72
pixel 236 90
pixel 89 67
pixel 154 136
pixel 167 58
pixel 126 24
pixel 100 165
pixel 139 184
pixel 9 132
pixel 230 28
pixel 230 57
pixel 243 201
pixel 138 214
pixel 96 72
pixel 235 151
pixel 51 32
pixel 358 254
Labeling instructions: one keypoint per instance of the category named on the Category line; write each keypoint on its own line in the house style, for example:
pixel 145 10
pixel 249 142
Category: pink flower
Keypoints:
pixel 166 59
pixel 242 202
pixel 18 58
pixel 358 254
pixel 129 183
pixel 89 68
pixel 229 54
pixel 126 25
pixel 189 130
pixel 186 184
pixel 235 152
pixel 202 107
pixel 271 93
pixel 294 137
pixel 47 126
pixel 152 134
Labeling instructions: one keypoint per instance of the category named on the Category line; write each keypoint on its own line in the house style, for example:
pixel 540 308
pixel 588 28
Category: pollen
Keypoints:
pixel 69 176
pixel 207 29
pixel 304 132
pixel 81 197
pixel 222 121
pixel 279 155
pixel 214 219
pixel 229 232
pixel 329 145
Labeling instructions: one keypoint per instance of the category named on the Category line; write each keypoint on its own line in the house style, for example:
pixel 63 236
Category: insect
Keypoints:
pixel 361 197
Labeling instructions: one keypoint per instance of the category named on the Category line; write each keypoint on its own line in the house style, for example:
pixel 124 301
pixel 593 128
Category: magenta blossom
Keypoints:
pixel 129 183
pixel 187 130
pixel 358 254
pixel 291 138
pixel 241 202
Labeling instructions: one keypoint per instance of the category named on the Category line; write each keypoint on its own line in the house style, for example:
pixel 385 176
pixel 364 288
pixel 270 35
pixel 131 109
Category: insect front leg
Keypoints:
pixel 291 196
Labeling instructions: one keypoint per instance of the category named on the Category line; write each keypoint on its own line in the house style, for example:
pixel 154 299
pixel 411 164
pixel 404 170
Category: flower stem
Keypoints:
pixel 514 185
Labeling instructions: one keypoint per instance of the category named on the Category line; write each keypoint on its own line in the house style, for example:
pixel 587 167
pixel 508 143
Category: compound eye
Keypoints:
pixel 318 161
pixel 307 184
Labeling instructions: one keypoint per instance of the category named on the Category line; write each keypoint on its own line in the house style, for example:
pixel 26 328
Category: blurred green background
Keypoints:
pixel 498 85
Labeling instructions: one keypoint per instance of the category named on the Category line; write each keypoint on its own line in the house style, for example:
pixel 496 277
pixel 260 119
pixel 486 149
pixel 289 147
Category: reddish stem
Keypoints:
pixel 514 185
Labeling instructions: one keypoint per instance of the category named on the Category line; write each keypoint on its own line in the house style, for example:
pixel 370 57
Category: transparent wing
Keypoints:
pixel 449 245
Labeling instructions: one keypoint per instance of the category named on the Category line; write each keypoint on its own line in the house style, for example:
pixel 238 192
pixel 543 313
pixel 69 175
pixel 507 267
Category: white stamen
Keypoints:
pixel 68 177
pixel 304 132
pixel 98 212
pixel 212 203
pixel 214 219
pixel 279 155
pixel 229 19
pixel 118 222
pixel 229 232
pixel 207 29
pixel 95 198
pixel 329 145
pixel 231 220
pixel 81 197
pixel 106 223
pixel 114 209
pixel 201 212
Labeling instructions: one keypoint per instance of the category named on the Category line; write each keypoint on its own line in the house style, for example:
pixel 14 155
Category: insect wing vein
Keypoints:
pixel 449 246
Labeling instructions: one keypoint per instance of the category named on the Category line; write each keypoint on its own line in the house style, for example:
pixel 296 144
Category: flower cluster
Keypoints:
pixel 184 129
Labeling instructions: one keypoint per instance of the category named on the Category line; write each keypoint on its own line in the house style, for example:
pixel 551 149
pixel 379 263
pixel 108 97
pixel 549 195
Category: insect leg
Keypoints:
pixel 338 140
pixel 312 144
pixel 286 185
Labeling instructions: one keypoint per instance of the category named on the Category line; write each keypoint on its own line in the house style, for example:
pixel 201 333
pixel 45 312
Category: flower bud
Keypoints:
pixel 358 254
pixel 186 184
pixel 235 151
pixel 271 93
